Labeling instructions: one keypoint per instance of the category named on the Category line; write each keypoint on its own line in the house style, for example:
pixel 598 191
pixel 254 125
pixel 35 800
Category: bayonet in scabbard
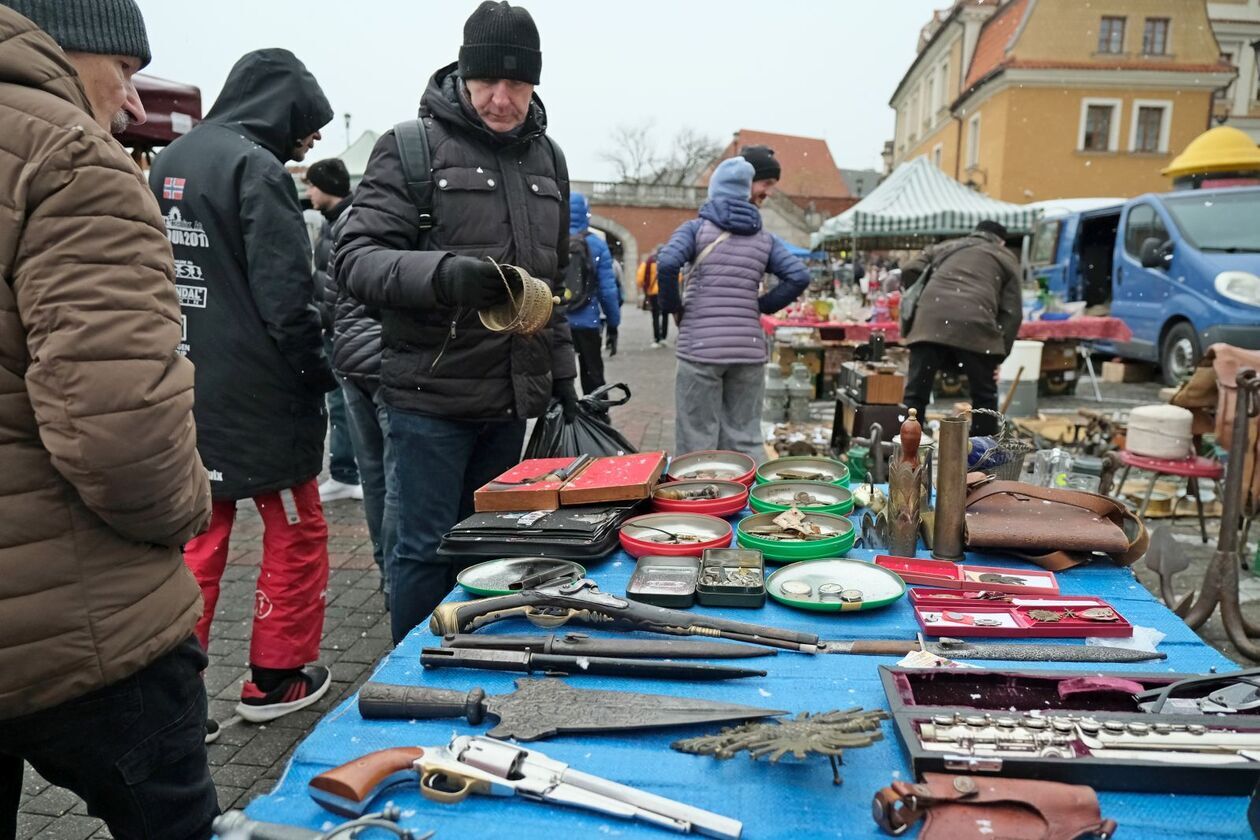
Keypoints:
pixel 527 662
pixel 580 644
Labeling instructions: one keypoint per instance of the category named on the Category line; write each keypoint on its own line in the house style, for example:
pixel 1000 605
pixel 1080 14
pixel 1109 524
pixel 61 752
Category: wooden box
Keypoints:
pixel 538 495
pixel 616 478
pixel 873 384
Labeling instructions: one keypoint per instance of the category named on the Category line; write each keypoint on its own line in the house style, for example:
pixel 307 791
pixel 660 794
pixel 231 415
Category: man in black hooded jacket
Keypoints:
pixel 459 394
pixel 243 265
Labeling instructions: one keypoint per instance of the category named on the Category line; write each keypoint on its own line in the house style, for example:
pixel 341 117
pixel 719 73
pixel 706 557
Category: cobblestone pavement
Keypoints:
pixel 247 760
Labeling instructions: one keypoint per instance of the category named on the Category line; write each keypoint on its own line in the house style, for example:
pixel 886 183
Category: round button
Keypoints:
pixel 534 187
pixel 442 183
pixel 490 181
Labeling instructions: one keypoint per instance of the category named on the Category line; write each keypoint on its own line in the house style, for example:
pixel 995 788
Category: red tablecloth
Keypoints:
pixel 1081 328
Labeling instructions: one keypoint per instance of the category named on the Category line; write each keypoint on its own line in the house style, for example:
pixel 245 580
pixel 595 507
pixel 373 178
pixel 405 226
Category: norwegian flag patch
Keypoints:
pixel 173 188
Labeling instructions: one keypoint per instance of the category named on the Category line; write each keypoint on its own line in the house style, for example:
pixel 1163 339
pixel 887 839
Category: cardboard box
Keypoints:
pixel 1058 356
pixel 618 478
pixel 1126 372
pixel 535 495
pixel 835 357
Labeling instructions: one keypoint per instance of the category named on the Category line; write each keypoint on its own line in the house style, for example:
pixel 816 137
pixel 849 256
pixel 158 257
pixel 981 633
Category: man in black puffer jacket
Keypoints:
pixel 356 357
pixel 328 190
pixel 459 394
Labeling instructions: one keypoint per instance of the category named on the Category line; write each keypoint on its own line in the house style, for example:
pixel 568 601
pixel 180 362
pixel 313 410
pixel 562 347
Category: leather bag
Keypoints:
pixel 1056 529
pixel 974 808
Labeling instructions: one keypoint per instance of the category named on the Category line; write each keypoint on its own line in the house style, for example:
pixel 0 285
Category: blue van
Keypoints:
pixel 1182 269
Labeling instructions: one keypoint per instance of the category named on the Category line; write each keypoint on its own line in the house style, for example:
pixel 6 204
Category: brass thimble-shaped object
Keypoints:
pixel 528 306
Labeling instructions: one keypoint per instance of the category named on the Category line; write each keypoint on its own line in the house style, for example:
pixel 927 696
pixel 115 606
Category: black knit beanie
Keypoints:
pixel 331 176
pixel 989 226
pixel 104 27
pixel 765 165
pixel 500 42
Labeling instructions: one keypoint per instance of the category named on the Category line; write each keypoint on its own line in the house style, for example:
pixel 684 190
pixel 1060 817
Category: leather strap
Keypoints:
pixel 1100 506
pixel 1021 809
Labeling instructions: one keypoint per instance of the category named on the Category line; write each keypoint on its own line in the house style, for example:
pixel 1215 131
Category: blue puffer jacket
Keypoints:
pixel 606 297
pixel 722 322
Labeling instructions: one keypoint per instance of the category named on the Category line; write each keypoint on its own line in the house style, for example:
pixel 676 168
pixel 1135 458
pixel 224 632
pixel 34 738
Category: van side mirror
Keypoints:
pixel 1154 253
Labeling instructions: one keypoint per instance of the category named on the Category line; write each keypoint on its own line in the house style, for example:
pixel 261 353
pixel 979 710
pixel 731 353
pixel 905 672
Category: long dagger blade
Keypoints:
pixel 958 649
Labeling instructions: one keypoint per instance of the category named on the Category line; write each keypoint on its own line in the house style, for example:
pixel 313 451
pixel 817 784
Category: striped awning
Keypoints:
pixel 918 200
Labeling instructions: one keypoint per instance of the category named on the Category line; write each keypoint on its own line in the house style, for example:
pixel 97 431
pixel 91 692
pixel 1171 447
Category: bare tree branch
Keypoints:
pixel 632 151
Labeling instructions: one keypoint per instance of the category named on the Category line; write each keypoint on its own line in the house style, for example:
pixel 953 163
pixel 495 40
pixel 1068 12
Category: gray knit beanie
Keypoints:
pixel 105 27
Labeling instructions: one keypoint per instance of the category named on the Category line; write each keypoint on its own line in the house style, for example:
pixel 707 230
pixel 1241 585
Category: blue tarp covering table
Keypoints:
pixel 788 800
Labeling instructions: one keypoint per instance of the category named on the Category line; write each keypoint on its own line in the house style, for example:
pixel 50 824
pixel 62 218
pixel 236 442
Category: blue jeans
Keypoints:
pixel 369 430
pixel 341 465
pixel 438 463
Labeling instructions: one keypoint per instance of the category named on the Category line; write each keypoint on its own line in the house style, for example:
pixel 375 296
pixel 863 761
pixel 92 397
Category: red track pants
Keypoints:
pixel 289 600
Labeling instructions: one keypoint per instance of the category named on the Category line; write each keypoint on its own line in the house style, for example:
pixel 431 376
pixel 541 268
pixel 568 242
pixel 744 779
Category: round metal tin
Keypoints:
pixel 804 465
pixel 835 585
pixel 639 540
pixel 719 464
pixel 841 540
pixel 732 497
pixel 777 496
pixel 496 577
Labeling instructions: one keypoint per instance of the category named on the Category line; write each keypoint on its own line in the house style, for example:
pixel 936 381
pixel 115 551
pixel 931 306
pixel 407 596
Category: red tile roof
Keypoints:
pixel 809 171
pixel 995 37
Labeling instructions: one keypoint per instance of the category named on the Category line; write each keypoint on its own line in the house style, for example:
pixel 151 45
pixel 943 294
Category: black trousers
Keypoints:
pixel 979 368
pixel 589 346
pixel 660 321
pixel 135 751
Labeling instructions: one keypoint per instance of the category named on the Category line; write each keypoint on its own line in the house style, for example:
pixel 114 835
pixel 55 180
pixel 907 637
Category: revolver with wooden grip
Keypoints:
pixel 490 767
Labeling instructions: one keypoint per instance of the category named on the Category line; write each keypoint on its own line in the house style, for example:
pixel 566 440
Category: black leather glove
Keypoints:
pixel 611 343
pixel 563 390
pixel 468 282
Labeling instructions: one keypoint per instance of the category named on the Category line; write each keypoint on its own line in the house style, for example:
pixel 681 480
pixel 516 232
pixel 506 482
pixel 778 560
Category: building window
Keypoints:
pixel 1100 125
pixel 943 83
pixel 1228 58
pixel 929 104
pixel 1111 35
pixel 973 142
pixel 1155 36
pixel 1148 131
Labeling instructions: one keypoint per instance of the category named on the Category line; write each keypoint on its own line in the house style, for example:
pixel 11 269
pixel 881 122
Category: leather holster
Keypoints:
pixel 979 808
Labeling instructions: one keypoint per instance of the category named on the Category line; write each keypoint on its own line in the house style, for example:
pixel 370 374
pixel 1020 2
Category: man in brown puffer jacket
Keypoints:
pixel 100 483
pixel 967 317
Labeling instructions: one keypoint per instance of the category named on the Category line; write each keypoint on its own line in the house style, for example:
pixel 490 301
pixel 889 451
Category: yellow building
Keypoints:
pixel 1237 27
pixel 1028 100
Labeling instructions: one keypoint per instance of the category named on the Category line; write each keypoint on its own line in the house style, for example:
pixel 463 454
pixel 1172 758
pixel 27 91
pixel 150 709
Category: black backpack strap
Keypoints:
pixel 413 150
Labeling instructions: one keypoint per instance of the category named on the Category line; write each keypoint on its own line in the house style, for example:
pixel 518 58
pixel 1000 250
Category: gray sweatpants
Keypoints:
pixel 718 407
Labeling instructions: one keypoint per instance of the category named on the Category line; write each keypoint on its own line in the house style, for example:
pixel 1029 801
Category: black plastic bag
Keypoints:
pixel 589 433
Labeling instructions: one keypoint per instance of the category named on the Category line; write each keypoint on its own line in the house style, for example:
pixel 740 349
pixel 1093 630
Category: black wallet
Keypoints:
pixel 586 532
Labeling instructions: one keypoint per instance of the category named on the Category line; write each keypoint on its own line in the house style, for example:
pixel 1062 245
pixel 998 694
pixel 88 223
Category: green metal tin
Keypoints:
pixel 787 552
pixel 803 464
pixel 835 586
pixel 771 496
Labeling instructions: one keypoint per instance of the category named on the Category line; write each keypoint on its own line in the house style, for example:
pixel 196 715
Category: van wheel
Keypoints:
pixel 1179 353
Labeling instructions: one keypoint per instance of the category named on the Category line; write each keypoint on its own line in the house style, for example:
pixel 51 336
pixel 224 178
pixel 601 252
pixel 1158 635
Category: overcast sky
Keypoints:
pixel 820 68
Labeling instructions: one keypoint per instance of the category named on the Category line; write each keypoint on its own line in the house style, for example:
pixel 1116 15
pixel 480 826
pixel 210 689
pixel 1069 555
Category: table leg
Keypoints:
pixel 1089 366
pixel 1124 476
pixel 1150 489
pixel 1192 484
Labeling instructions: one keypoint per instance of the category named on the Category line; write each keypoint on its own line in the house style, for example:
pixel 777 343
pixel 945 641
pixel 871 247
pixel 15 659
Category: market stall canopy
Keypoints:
pixel 172 109
pixel 920 202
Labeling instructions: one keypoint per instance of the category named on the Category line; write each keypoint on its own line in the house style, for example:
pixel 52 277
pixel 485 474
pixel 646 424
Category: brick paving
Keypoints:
pixel 247 760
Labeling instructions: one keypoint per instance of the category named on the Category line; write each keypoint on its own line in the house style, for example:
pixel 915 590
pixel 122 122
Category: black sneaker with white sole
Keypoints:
pixel 212 731
pixel 297 692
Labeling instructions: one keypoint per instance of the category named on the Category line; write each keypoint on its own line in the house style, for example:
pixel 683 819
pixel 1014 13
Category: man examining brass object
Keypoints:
pixel 459 394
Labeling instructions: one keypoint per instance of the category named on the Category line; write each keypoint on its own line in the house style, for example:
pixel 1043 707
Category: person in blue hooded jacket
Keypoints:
pixel 584 322
pixel 721 347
